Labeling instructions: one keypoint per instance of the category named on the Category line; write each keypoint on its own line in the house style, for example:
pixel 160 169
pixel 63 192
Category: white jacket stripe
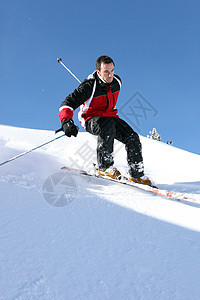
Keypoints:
pixel 65 106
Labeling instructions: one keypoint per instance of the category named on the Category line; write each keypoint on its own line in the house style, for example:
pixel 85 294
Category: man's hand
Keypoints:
pixel 69 128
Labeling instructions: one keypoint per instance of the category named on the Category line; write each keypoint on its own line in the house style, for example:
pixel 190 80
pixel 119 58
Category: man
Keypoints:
pixel 97 98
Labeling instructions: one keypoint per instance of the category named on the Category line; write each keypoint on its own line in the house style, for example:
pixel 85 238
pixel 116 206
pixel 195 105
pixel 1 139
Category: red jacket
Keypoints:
pixel 95 98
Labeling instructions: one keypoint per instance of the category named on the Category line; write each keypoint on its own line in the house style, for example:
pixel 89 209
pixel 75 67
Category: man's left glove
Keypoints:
pixel 69 128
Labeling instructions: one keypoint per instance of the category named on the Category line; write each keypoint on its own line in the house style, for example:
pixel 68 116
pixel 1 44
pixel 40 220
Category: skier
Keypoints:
pixel 97 98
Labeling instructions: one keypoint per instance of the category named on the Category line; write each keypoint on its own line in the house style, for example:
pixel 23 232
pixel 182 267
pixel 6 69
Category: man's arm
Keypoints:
pixel 71 102
pixel 75 99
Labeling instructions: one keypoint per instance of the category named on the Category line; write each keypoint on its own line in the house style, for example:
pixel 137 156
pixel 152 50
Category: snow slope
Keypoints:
pixel 63 236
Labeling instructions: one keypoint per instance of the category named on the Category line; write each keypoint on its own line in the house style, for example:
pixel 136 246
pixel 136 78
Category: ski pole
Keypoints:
pixel 59 60
pixel 26 152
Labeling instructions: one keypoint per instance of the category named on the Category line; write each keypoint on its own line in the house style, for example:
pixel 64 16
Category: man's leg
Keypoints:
pixel 104 128
pixel 126 135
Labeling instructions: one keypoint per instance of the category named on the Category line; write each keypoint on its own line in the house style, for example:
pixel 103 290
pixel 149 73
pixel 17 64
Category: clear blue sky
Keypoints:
pixel 155 45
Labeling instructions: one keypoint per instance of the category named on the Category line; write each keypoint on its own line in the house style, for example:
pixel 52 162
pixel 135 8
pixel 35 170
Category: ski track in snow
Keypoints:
pixel 107 241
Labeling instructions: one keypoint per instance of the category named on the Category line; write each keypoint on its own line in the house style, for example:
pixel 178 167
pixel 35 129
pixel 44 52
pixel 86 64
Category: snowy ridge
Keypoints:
pixel 104 241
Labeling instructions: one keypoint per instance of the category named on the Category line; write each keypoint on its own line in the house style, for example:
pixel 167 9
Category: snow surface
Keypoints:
pixel 64 236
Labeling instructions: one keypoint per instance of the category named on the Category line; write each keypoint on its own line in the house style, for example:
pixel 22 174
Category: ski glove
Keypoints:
pixel 69 128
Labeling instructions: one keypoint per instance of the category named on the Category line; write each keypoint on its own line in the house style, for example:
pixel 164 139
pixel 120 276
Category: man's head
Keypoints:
pixel 105 68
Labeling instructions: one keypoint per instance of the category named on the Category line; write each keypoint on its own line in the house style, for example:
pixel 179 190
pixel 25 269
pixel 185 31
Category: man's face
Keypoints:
pixel 107 72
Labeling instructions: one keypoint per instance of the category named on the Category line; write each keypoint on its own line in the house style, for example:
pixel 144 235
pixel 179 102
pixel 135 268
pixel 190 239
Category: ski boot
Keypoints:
pixel 142 180
pixel 110 172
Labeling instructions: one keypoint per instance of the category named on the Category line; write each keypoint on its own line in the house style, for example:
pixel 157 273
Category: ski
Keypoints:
pixel 124 180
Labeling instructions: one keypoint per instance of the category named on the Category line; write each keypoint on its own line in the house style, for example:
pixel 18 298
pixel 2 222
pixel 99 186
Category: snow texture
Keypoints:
pixel 64 236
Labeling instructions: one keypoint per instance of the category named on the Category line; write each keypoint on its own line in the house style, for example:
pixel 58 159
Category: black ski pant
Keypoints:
pixel 108 129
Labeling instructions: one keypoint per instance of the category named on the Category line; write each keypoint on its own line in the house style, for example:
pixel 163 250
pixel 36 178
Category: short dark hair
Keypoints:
pixel 103 59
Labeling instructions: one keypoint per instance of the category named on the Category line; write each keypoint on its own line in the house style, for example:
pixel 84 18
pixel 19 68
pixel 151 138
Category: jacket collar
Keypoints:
pixel 100 80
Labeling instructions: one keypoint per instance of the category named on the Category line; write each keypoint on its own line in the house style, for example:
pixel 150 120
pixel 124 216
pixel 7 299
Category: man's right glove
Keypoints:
pixel 69 128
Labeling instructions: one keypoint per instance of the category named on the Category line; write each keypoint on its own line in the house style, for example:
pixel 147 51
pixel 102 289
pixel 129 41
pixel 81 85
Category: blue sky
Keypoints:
pixel 155 46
